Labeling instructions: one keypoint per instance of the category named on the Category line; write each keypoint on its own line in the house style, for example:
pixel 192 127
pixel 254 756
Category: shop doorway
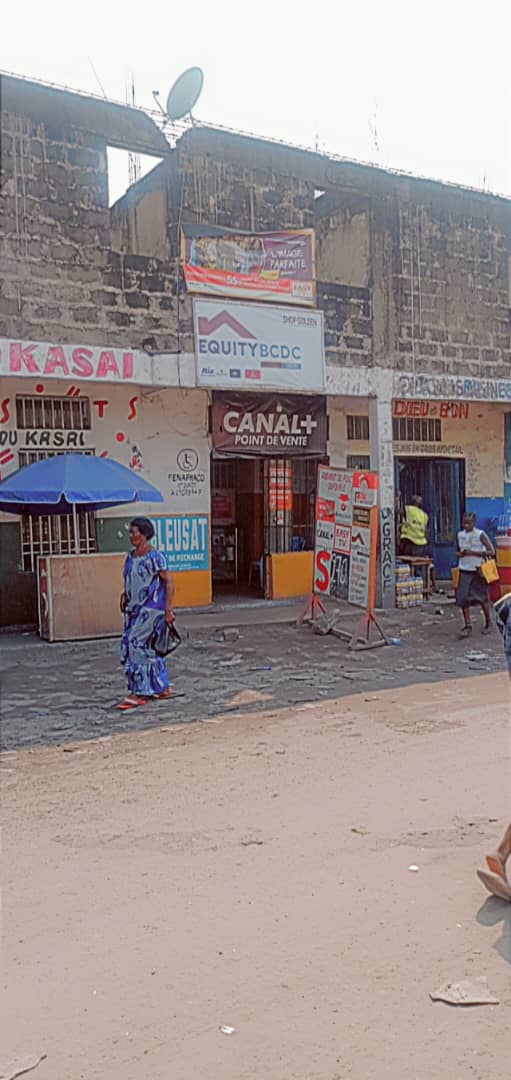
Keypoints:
pixel 441 483
pixel 259 506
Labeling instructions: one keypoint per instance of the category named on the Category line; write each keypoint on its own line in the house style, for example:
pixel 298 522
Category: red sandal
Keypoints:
pixel 131 702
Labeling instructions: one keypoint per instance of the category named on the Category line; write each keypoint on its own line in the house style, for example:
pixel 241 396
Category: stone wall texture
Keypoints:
pixel 59 278
pixel 411 274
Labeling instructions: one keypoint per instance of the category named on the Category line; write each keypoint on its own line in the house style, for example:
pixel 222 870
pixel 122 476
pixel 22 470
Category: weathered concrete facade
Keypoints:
pixel 61 280
pixel 412 275
pixel 413 278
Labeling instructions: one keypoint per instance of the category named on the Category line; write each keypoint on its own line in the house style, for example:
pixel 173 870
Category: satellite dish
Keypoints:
pixel 185 93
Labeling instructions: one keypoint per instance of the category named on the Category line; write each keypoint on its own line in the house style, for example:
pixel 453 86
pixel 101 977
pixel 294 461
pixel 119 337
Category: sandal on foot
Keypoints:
pixel 496 865
pixel 466 632
pixel 495 885
pixel 487 629
pixel 131 702
pixel 165 695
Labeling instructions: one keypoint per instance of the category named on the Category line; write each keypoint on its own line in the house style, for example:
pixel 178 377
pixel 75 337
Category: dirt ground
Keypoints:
pixel 252 870
pixel 52 694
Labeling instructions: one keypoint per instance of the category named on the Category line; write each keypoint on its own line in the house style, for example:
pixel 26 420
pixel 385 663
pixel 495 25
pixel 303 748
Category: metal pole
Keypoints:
pixel 76 529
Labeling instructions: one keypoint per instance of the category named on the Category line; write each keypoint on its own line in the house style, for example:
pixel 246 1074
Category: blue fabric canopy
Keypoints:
pixel 55 485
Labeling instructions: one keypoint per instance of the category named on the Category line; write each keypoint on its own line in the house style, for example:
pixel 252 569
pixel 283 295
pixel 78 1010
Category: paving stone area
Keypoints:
pixel 62 693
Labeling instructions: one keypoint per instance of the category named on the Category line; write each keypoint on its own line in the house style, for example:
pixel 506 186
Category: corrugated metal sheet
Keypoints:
pixel 120 125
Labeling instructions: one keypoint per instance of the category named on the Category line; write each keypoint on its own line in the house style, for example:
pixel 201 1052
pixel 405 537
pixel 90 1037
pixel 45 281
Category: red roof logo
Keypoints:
pixel 209 326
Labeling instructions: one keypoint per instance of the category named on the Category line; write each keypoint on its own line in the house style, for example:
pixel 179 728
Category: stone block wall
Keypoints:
pixel 59 278
pixel 411 274
pixel 348 324
pixel 222 190
pixel 452 286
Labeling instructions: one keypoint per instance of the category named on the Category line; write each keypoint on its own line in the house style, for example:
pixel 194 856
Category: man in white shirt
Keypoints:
pixel 474 547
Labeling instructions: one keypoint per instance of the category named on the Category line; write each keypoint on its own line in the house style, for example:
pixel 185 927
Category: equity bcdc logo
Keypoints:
pixel 210 326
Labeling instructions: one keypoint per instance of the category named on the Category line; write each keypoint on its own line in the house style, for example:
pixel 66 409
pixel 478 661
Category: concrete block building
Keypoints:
pixel 405 343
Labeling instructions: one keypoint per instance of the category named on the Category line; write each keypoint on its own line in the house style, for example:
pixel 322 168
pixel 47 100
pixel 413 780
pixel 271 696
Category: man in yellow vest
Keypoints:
pixel 414 540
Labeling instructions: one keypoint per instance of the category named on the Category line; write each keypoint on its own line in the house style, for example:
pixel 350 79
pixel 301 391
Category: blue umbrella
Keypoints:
pixel 68 482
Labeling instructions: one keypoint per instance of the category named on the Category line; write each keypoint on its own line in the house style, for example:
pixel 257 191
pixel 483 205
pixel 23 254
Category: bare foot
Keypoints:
pixel 496 865
pixel 495 885
pixel 164 694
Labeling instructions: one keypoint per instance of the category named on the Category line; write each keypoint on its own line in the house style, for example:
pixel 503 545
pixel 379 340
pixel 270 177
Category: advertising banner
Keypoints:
pixel 184 541
pixel 346 535
pixel 280 487
pixel 223 506
pixel 258 346
pixel 277 426
pixel 258 266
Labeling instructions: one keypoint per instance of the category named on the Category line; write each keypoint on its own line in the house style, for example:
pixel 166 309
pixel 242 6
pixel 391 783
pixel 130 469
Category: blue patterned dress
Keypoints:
pixel 146 672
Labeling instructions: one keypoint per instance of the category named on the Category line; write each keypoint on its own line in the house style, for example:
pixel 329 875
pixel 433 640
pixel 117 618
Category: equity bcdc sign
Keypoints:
pixel 258 344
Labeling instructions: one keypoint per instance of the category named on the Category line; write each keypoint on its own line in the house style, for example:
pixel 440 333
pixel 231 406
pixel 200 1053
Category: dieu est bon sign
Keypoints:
pixel 276 426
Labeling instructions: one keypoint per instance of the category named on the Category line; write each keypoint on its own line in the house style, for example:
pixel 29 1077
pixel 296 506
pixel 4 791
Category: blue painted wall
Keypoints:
pixel 507 455
pixel 487 510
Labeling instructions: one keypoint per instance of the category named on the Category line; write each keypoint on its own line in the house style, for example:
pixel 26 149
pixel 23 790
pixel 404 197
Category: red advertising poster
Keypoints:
pixel 257 266
pixel 346 535
pixel 223 503
pixel 280 488
pixel 325 509
pixel 365 489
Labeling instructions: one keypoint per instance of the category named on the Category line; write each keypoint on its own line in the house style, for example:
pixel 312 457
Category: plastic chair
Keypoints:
pixel 257 569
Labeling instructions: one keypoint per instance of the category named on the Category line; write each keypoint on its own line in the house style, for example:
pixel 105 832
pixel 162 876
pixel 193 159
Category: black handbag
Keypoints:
pixel 165 637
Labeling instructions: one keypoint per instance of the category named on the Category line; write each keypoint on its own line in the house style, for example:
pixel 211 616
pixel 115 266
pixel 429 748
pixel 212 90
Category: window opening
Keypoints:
pixel 358 428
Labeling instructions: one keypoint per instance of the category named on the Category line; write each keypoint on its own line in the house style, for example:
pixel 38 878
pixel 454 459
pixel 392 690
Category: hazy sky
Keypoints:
pixel 419 86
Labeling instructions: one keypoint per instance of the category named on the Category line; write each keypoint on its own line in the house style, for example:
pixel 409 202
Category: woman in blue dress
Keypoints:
pixel 148 591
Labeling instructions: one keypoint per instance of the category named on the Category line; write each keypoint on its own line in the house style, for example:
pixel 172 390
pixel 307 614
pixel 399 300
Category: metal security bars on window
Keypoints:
pixel 360 462
pixel 53 414
pixel 27 457
pixel 358 428
pixel 290 490
pixel 53 534
pixel 406 429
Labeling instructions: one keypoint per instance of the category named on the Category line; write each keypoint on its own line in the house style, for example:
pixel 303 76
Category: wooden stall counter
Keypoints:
pixel 78 596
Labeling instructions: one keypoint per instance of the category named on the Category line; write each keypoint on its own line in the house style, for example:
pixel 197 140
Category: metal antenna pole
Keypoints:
pixel 76 530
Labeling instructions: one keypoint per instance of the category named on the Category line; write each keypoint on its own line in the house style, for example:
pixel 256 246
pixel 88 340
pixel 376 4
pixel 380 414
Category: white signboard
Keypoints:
pixel 259 346
pixel 78 363
pixel 346 524
pixel 451 387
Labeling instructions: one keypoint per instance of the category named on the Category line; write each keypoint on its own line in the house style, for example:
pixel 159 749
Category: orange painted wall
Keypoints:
pixel 193 588
pixel 290 574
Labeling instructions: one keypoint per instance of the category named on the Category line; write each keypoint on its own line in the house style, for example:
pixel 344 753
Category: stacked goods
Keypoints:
pixel 504 521
pixel 504 563
pixel 409 589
